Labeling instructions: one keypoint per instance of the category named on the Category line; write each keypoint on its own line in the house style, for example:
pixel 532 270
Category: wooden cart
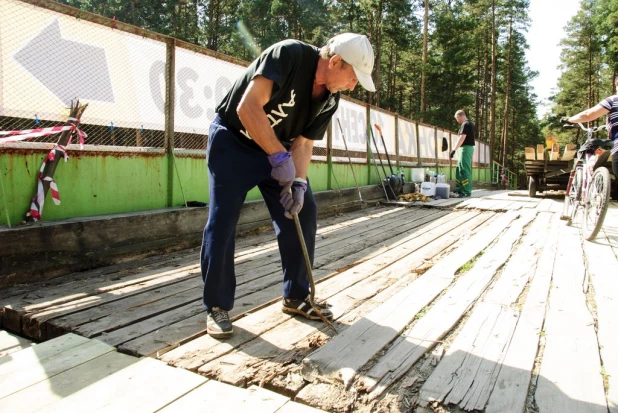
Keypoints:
pixel 547 170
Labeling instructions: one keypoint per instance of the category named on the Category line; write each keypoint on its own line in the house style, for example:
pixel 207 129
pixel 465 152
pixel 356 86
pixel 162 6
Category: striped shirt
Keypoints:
pixel 611 104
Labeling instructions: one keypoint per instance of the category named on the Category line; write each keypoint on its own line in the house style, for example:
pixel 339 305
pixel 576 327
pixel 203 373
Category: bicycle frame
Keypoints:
pixel 589 162
pixel 588 186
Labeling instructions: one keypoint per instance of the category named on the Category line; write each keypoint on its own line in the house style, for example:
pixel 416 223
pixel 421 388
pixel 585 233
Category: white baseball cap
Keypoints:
pixel 356 50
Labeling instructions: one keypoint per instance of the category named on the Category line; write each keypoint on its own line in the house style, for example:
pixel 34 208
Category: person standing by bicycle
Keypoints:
pixel 609 107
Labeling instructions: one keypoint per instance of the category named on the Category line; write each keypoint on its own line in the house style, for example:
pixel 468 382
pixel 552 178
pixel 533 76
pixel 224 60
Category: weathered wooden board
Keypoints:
pixel 215 397
pixel 55 388
pixel 530 154
pixel 21 378
pixel 10 343
pixel 569 152
pixel 602 268
pixel 341 357
pixel 372 259
pixel 22 359
pixel 83 290
pixel 443 315
pixel 511 390
pixel 145 386
pixel 540 151
pixel 570 338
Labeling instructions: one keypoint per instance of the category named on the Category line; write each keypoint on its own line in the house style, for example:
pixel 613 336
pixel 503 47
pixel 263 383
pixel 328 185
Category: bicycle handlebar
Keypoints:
pixel 593 130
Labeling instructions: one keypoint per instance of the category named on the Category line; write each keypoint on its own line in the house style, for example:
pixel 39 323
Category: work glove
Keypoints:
pixel 293 199
pixel 565 120
pixel 452 154
pixel 283 169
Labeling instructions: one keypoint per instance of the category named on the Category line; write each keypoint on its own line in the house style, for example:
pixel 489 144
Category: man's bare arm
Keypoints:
pixel 302 149
pixel 251 113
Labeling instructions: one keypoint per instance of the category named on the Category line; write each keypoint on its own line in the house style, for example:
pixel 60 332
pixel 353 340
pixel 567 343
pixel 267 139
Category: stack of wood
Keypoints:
pixel 553 153
pixel 413 197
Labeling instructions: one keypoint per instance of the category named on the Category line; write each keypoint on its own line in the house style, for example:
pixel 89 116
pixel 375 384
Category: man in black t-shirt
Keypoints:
pixel 263 136
pixel 463 173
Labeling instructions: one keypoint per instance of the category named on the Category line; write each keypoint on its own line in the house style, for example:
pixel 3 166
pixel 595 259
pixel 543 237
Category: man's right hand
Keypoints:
pixel 565 120
pixel 283 171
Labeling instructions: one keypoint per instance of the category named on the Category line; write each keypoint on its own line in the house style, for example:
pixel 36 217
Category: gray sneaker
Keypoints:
pixel 218 323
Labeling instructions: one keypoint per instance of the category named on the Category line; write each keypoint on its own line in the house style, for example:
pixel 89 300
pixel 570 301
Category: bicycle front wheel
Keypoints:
pixel 597 201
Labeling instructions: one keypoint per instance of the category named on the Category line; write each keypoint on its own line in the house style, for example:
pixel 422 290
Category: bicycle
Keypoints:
pixel 589 184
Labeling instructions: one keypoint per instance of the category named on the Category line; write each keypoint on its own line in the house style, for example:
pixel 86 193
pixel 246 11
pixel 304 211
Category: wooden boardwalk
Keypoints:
pixel 488 303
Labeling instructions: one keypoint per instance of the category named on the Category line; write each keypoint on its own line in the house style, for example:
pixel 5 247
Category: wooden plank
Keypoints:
pixel 364 241
pixel 540 151
pixel 555 152
pixel 336 397
pixel 347 352
pixel 144 386
pixel 443 315
pixel 210 397
pixel 215 397
pixel 509 395
pixel 112 279
pixel 196 353
pixel 530 153
pixel 471 366
pixel 262 401
pixel 610 226
pixel 545 205
pixel 260 360
pixel 21 360
pixel 39 395
pixel 180 333
pixel 10 343
pixel 19 379
pixel 570 339
pixel 293 407
pixel 569 152
pixel 105 315
pixel 602 265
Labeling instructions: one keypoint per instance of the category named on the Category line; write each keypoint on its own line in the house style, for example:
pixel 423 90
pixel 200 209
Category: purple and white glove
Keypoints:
pixel 294 198
pixel 283 168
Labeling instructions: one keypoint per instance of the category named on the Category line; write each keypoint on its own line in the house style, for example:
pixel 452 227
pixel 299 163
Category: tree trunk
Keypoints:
pixel 507 95
pixel 424 60
pixel 494 40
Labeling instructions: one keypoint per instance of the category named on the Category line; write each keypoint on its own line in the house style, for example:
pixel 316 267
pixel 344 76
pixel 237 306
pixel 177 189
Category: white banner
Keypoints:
pixel 443 156
pixel 427 142
pixel 387 123
pixel 353 120
pixel 407 138
pixel 201 82
pixel 55 58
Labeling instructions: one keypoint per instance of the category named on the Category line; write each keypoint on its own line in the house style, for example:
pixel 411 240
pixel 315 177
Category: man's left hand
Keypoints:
pixel 452 154
pixel 293 202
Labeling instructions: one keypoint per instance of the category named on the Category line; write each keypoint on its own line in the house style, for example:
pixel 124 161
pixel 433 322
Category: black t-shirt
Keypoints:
pixel 467 128
pixel 291 111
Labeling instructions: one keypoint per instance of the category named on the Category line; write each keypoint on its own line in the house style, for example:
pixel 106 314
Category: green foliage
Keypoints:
pixel 589 63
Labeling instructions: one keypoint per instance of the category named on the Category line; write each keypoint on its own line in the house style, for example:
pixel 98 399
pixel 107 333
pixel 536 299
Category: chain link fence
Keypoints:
pixel 50 60
pixel 53 54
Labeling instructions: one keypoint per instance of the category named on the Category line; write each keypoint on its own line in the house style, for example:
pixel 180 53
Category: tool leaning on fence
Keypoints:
pixel 394 181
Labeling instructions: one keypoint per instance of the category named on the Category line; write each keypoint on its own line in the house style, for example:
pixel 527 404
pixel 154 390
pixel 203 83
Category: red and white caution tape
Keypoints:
pixel 22 135
pixel 36 205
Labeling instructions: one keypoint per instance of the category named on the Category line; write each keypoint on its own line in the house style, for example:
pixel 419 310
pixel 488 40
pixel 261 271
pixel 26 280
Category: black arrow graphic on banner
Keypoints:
pixel 68 69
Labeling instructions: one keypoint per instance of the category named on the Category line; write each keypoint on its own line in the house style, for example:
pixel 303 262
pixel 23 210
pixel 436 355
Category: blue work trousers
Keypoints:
pixel 234 168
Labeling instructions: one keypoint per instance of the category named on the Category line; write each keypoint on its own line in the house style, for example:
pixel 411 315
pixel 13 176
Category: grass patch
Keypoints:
pixel 468 265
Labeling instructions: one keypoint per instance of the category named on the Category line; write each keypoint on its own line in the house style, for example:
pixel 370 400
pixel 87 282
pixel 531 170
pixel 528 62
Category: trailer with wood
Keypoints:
pixel 546 169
